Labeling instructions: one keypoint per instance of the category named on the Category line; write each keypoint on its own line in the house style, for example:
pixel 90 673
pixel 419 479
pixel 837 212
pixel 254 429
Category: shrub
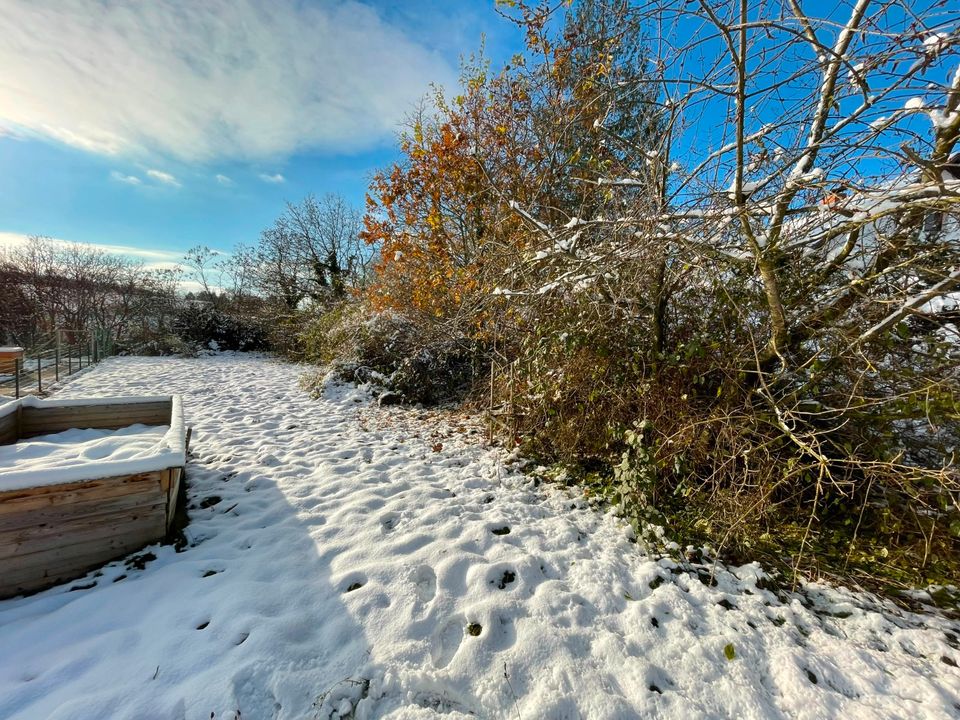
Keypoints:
pixel 331 335
pixel 161 345
pixel 441 370
pixel 393 352
pixel 205 326
pixel 285 333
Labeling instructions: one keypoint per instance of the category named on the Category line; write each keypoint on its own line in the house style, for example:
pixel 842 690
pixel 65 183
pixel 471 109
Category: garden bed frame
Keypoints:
pixel 56 525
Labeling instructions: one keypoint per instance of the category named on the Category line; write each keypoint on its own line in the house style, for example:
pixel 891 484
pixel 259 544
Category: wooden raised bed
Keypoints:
pixel 57 524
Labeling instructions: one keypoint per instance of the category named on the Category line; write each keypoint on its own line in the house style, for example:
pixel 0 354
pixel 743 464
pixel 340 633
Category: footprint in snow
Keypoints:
pixel 446 642
pixel 501 633
pixel 210 501
pixel 389 521
pixel 506 579
pixel 352 581
pixel 425 586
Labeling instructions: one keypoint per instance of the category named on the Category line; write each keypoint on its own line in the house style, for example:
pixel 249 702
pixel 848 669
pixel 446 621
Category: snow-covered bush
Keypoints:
pixel 209 328
pixel 393 352
pixel 162 345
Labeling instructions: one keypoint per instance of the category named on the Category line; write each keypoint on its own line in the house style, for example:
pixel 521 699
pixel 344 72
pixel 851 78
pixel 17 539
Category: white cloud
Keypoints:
pixel 91 139
pixel 153 259
pixel 275 179
pixel 128 179
pixel 237 79
pixel 165 178
pixel 224 180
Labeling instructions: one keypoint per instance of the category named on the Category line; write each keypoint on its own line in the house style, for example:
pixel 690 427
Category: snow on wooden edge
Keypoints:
pixel 35 402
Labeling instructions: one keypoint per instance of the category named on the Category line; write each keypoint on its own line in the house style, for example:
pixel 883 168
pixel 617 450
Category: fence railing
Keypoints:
pixel 52 358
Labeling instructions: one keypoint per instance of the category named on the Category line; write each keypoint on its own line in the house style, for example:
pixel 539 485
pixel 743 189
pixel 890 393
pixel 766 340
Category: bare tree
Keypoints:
pixel 278 268
pixel 312 251
pixel 75 287
pixel 206 270
pixel 326 234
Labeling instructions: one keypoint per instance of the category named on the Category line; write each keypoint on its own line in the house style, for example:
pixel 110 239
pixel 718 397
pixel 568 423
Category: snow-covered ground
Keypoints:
pixel 350 561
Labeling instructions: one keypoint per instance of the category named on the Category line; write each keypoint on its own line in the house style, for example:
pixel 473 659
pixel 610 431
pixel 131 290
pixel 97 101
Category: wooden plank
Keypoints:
pixel 66 530
pixel 18 528
pixel 165 480
pixel 51 421
pixel 9 429
pixel 39 416
pixel 164 406
pixel 26 541
pixel 41 421
pixel 78 555
pixel 47 569
pixel 175 475
pixel 75 555
pixel 15 501
pixel 165 483
pixel 89 507
pixel 93 407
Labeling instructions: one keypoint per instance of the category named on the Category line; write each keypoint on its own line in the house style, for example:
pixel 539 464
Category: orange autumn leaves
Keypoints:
pixel 439 215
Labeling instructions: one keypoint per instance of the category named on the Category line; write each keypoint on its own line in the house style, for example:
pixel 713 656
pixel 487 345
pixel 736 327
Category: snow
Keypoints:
pixel 626 181
pixel 942 120
pixel 855 74
pixel 747 187
pixel 63 401
pixel 383 562
pixel 65 449
pixel 914 103
pixel 936 42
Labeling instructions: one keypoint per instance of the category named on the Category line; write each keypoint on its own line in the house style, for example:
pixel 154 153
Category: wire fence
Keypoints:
pixel 53 358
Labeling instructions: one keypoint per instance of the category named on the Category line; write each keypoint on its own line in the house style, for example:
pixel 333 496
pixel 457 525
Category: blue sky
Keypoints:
pixel 158 126
pixel 164 125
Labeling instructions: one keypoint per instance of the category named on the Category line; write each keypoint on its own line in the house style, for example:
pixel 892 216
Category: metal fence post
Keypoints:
pixel 16 376
pixel 39 374
pixel 56 359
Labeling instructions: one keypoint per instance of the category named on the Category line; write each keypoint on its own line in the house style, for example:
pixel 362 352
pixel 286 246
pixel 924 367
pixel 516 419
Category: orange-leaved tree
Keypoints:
pixel 440 214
